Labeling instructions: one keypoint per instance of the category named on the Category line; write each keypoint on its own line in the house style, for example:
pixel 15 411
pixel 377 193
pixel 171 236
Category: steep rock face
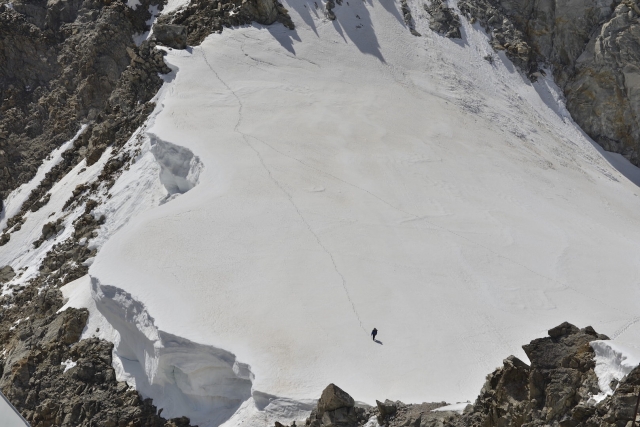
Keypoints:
pixel 593 48
pixel 60 65
pixel 65 63
pixel 604 93
pixel 561 377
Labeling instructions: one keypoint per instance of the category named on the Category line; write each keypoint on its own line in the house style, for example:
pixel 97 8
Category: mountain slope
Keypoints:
pixel 294 189
pixel 358 176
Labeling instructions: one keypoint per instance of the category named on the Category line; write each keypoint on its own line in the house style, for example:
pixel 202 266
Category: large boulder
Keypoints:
pixel 6 274
pixel 336 409
pixel 171 35
pixel 262 11
pixel 333 397
pixel 560 381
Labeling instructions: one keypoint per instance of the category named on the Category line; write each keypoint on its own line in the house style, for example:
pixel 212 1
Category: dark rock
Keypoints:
pixel 408 18
pixel 203 17
pixel 564 329
pixel 174 36
pixel 444 20
pixel 263 11
pixel 6 274
pixel 387 408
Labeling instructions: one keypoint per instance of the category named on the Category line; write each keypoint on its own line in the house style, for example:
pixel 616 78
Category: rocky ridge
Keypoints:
pixel 63 65
pixel 67 63
pixel 444 20
pixel 593 50
pixel 556 389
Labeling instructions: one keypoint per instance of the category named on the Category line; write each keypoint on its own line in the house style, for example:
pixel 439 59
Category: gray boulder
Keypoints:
pixel 336 409
pixel 171 35
pixel 387 408
pixel 6 274
pixel 263 11
pixel 333 397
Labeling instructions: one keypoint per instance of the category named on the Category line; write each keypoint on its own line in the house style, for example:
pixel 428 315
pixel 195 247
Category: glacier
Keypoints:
pixel 296 189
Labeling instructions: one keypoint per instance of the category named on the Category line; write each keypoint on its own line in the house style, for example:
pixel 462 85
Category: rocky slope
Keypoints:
pixel 557 389
pixel 63 65
pixel 593 49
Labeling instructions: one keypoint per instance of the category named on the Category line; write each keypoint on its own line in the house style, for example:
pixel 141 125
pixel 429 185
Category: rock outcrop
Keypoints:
pixel 336 408
pixel 593 49
pixel 560 378
pixel 603 93
pixel 65 64
pixel 203 17
pixel 54 380
pixel 174 36
pixel 444 20
pixel 557 389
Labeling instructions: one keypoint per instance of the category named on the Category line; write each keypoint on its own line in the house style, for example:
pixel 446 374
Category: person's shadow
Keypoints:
pixel 377 342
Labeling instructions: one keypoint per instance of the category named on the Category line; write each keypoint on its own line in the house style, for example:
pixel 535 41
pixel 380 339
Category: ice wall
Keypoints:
pixel 182 377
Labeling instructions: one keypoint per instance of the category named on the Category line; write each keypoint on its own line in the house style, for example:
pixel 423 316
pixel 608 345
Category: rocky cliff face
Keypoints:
pixel 593 48
pixel 557 389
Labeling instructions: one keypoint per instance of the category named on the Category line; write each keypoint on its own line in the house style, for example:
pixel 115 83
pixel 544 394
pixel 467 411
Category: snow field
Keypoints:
pixel 297 188
pixel 361 177
pixel 613 361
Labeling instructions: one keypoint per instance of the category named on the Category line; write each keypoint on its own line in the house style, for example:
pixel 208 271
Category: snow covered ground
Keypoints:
pixel 347 175
pixel 356 176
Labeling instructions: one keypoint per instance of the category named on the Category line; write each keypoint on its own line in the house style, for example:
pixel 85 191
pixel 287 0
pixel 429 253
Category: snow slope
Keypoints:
pixel 358 176
pixel 350 175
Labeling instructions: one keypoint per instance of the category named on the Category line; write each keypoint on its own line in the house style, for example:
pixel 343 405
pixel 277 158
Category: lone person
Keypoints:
pixel 374 333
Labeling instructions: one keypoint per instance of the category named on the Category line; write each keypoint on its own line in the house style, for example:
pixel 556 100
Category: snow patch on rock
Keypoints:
pixel 613 362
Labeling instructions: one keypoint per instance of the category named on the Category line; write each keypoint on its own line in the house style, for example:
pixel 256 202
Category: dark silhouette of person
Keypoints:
pixel 374 333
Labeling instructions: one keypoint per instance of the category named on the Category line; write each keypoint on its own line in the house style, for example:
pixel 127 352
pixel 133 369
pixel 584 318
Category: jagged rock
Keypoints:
pixel 203 17
pixel 603 95
pixel 174 36
pixel 263 11
pixel 592 48
pixel 504 31
pixel 336 408
pixel 386 409
pixel 333 397
pixel 6 274
pixel 444 20
pixel 556 387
